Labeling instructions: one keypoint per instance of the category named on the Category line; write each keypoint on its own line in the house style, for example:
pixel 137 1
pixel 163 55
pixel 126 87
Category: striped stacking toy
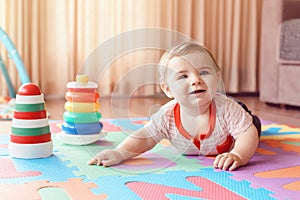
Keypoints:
pixel 30 135
pixel 81 119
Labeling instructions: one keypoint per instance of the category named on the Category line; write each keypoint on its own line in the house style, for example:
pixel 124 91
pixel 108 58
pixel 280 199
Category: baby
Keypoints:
pixel 198 120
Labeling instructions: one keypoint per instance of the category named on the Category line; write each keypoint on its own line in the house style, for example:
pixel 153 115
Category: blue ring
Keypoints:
pixel 82 129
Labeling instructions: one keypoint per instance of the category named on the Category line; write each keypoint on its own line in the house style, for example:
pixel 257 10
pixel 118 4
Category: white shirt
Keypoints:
pixel 231 120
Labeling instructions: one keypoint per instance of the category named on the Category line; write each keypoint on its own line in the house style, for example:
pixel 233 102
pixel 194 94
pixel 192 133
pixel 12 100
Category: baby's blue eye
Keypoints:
pixel 203 73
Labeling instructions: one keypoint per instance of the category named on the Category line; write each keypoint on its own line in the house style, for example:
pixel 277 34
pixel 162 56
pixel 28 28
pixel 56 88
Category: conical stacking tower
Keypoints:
pixel 30 133
pixel 81 119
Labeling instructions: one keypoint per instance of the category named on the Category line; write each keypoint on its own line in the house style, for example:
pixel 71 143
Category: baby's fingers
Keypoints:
pixel 92 161
pixel 110 162
pixel 219 161
pixel 234 166
pixel 228 162
pixel 106 158
pixel 95 161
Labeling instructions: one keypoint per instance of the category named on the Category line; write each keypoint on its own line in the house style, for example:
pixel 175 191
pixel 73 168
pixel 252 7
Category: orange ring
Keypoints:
pixel 82 96
pixel 81 89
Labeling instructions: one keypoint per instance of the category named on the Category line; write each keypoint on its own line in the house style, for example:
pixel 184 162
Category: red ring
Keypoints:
pixel 30 139
pixel 30 115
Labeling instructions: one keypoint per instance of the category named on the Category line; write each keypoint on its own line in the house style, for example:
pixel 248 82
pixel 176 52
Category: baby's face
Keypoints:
pixel 192 78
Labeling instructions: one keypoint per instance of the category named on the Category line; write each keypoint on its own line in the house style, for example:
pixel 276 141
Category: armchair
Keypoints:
pixel 280 52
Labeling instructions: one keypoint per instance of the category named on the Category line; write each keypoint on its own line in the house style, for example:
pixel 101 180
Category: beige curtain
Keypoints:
pixel 58 39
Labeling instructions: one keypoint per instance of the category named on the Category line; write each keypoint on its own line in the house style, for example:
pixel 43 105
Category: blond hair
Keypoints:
pixel 180 50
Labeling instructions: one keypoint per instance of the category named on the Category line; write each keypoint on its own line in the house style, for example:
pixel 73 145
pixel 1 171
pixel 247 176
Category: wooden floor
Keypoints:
pixel 144 107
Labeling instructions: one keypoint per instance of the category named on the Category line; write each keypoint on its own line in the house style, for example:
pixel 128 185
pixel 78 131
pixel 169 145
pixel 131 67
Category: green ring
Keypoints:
pixel 81 118
pixel 30 131
pixel 29 107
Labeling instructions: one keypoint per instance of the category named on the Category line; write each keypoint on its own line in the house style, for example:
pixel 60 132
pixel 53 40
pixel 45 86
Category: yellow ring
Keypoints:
pixel 82 107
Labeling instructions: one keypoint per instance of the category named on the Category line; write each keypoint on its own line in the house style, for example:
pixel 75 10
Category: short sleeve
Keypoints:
pixel 157 127
pixel 237 119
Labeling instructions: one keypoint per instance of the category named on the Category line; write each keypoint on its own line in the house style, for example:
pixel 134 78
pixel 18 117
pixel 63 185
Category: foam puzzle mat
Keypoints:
pixel 162 173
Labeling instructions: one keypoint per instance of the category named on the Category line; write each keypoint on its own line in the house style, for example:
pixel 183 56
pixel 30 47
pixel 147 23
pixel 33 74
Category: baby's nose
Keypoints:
pixel 196 80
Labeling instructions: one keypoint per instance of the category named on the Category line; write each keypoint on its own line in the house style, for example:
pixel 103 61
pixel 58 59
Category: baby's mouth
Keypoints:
pixel 197 91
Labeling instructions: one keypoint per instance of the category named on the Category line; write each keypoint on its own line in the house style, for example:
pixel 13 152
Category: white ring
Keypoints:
pixel 79 139
pixel 30 151
pixel 29 99
pixel 25 123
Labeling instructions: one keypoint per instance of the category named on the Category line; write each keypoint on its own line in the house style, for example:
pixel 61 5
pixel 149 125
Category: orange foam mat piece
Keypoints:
pixel 290 172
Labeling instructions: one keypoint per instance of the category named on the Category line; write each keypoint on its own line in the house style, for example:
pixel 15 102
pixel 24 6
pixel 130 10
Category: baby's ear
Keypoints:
pixel 165 88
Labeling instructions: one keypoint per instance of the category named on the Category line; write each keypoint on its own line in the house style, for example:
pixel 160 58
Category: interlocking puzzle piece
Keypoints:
pixel 277 131
pixel 75 189
pixel 53 193
pixel 3 150
pixel 289 172
pixel 4 146
pixel 206 184
pixel 289 144
pixel 51 168
pixel 148 162
pixel 55 126
pixel 8 170
pixel 108 126
pixel 155 191
pixel 5 127
pixel 264 163
pixel 128 124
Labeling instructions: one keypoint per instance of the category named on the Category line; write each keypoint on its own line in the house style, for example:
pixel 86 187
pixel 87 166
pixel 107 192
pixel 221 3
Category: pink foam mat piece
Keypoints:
pixel 8 170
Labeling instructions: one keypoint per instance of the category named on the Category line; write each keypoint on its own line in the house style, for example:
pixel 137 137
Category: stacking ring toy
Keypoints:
pixel 81 118
pixel 82 129
pixel 81 107
pixel 82 96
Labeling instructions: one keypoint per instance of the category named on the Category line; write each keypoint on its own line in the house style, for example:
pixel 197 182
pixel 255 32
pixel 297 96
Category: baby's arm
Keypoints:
pixel 243 150
pixel 136 143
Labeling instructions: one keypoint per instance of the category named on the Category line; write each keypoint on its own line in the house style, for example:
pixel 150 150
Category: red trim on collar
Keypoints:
pixel 184 133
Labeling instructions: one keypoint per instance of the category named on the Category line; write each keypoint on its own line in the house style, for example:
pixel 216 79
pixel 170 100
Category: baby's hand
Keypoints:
pixel 227 160
pixel 107 158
